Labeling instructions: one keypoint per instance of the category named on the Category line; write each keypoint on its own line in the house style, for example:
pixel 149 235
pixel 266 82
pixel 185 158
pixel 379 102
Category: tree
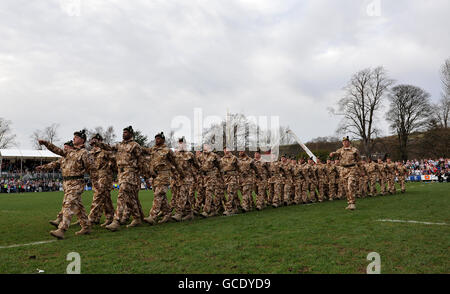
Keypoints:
pixel 109 137
pixel 360 105
pixel 49 134
pixel 6 136
pixel 441 110
pixel 409 110
pixel 140 138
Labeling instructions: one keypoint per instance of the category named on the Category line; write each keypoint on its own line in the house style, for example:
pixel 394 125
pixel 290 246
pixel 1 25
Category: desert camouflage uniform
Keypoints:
pixel 210 167
pixel 199 186
pixel 162 162
pixel 261 183
pixel 128 155
pixel 101 178
pixel 363 180
pixel 322 175
pixel 219 199
pixel 74 165
pixel 230 170
pixel 286 168
pixel 186 193
pixel 341 187
pixel 382 177
pixel 310 171
pixel 391 170
pixel 402 173
pixel 271 182
pixel 246 179
pixel 278 180
pixel 349 160
pixel 333 178
pixel 372 173
pixel 299 182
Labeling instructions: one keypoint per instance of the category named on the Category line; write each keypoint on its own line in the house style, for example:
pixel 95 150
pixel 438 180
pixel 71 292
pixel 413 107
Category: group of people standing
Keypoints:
pixel 205 183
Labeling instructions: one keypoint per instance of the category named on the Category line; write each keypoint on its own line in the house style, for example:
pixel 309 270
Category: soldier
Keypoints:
pixel 382 169
pixel 271 181
pixel 402 172
pixel 332 179
pixel 341 188
pixel 246 165
pixel 322 175
pixel 68 146
pixel 219 199
pixel 278 174
pixel 199 185
pixel 185 200
pixel 261 184
pixel 350 160
pixel 310 170
pixel 211 169
pixel 163 162
pixel 75 164
pixel 372 173
pixel 230 170
pixel 391 170
pixel 101 178
pixel 129 156
pixel 363 178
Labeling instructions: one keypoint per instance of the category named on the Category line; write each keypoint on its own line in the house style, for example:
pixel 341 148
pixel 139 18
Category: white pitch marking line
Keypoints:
pixel 410 221
pixel 27 244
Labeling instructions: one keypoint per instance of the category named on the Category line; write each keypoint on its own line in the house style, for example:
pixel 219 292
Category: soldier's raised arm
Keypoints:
pixel 51 147
pixel 104 146
pixel 50 166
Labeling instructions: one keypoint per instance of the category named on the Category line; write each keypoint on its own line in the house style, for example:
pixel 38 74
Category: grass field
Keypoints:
pixel 318 238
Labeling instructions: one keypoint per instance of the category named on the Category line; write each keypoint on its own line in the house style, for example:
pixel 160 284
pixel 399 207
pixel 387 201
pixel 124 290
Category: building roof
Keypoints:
pixel 27 154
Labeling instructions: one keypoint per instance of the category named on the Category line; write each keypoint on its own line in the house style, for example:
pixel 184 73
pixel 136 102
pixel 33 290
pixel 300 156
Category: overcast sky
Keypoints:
pixel 142 63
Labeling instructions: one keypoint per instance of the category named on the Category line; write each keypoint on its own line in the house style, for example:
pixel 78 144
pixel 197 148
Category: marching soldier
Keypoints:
pixel 286 168
pixel 101 178
pixel 332 179
pixel 322 175
pixel 382 178
pixel 68 146
pixel 402 173
pixel 349 160
pixel 128 155
pixel 246 165
pixel 74 165
pixel 230 170
pixel 211 169
pixel 199 185
pixel 391 170
pixel 261 184
pixel 312 180
pixel 163 160
pixel 372 173
pixel 186 161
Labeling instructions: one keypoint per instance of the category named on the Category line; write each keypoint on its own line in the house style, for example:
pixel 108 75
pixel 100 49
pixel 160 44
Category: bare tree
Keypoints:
pixel 49 134
pixel 108 134
pixel 360 105
pixel 409 110
pixel 6 136
pixel 441 110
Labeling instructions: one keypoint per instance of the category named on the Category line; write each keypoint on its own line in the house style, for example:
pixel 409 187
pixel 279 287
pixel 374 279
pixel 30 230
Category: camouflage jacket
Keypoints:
pixel 247 169
pixel 263 169
pixel 76 162
pixel 103 163
pixel 347 156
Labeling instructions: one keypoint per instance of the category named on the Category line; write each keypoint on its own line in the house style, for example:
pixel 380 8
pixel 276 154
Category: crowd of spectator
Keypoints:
pixel 11 185
pixel 428 166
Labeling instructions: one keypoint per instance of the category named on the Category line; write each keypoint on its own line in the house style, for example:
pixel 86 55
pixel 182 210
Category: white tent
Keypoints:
pixel 23 154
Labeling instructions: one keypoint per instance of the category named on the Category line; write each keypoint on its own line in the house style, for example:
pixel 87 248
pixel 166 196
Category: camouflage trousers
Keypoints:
pixel 323 190
pixel 185 199
pixel 349 176
pixel 174 189
pixel 304 187
pixel 128 203
pixel 200 199
pixel 373 185
pixel 391 184
pixel 160 203
pixel 363 186
pixel 311 187
pixel 401 179
pixel 219 199
pixel 297 187
pixel 211 188
pixel 278 193
pixel 261 194
pixel 231 186
pixel 101 202
pixel 287 193
pixel 382 180
pixel 332 189
pixel 247 197
pixel 342 189
pixel 72 204
pixel 270 191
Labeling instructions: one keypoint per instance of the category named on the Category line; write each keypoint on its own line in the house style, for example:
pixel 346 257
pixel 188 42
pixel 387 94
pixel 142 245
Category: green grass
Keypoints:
pixel 319 238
